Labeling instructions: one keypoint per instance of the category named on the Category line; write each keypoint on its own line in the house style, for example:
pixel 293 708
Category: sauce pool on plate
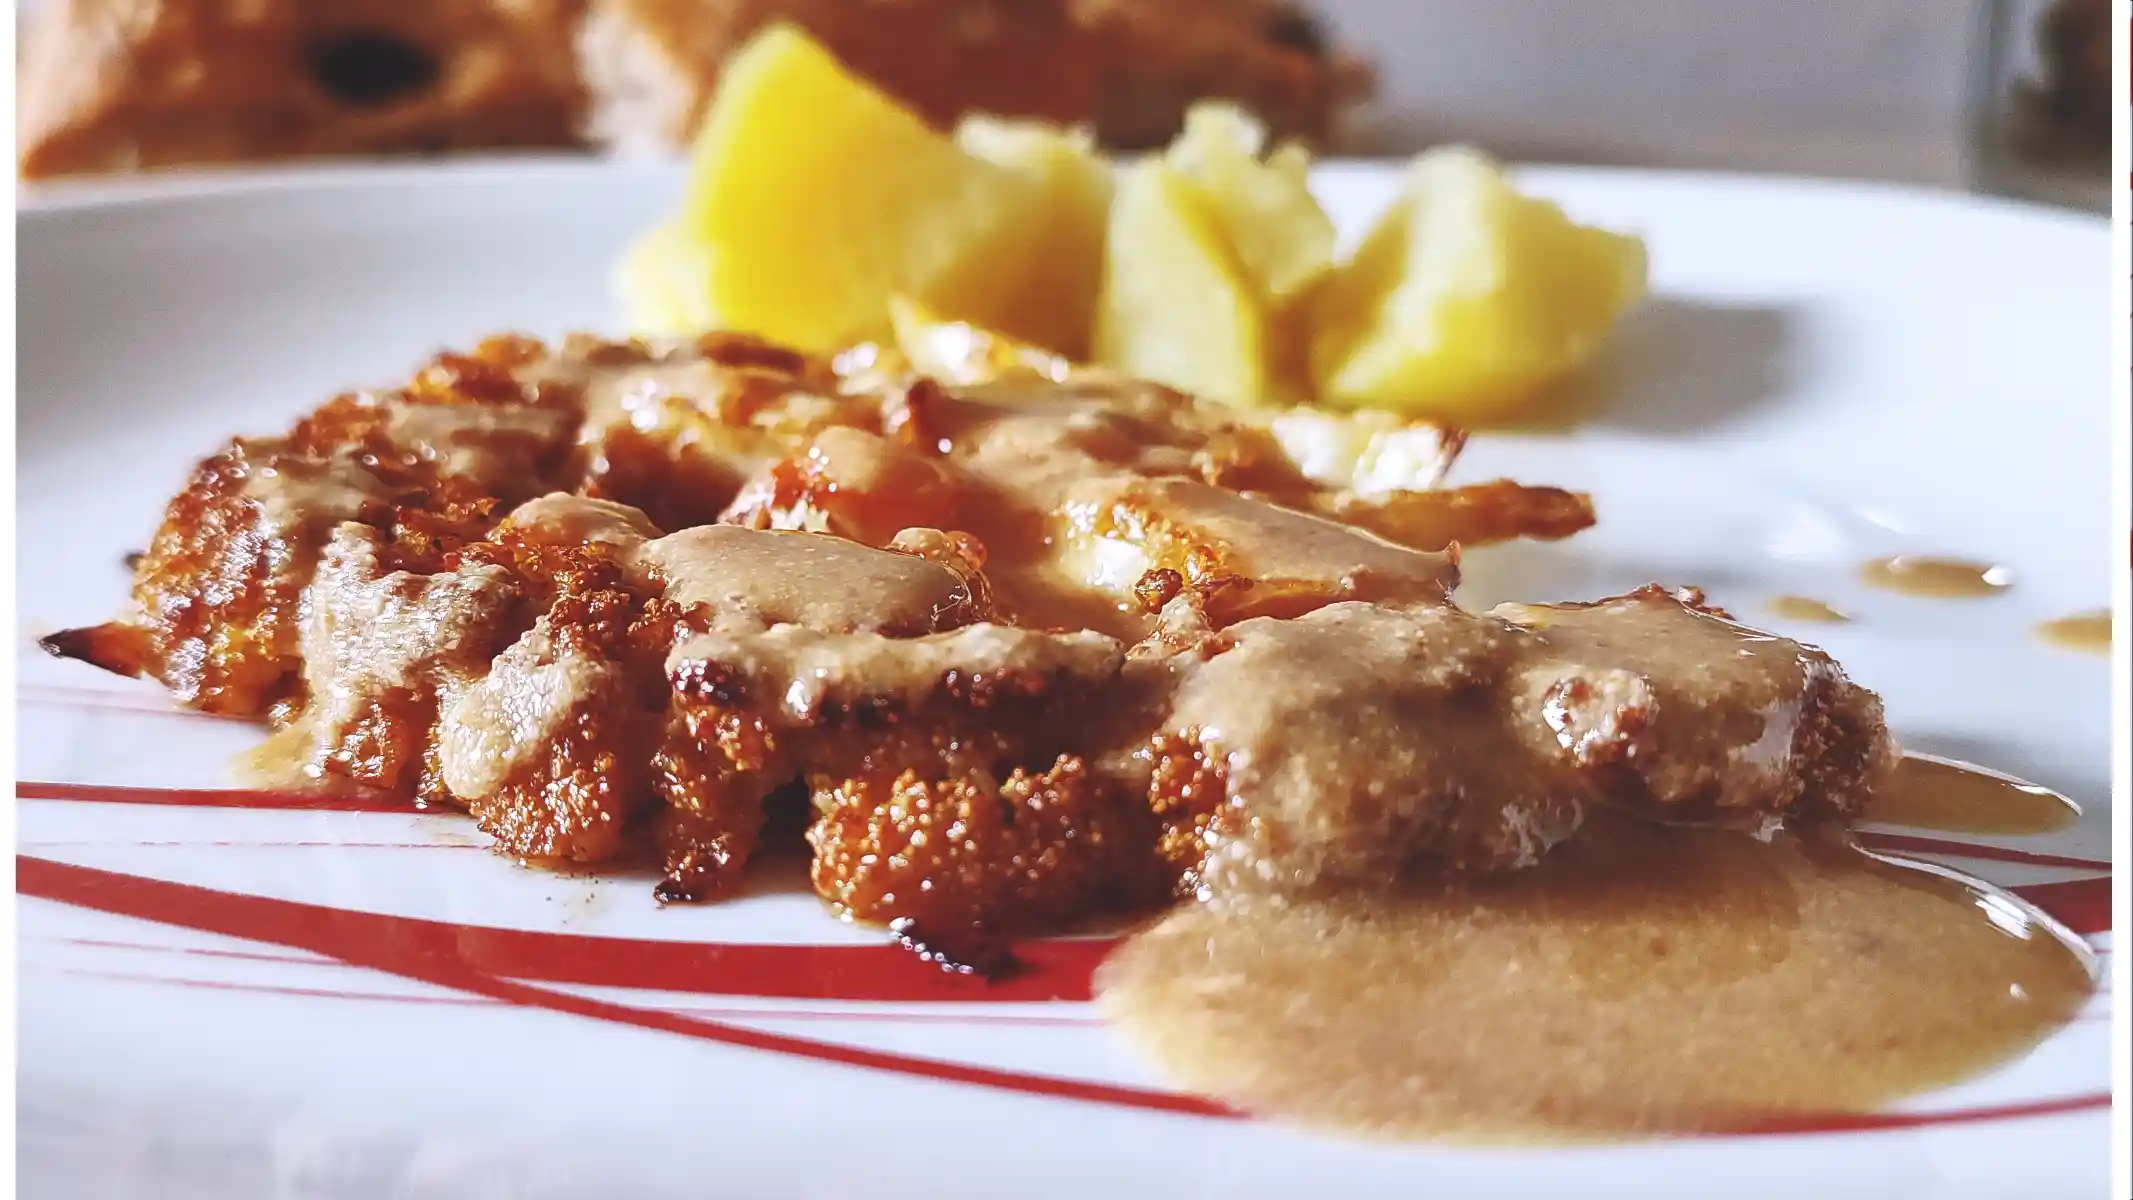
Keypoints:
pixel 2087 633
pixel 1642 979
pixel 1653 980
pixel 1939 578
pixel 1807 609
pixel 1935 793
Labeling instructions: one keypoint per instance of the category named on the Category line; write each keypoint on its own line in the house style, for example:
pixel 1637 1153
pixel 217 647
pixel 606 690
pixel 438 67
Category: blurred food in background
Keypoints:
pixel 113 85
pixel 120 85
pixel 1127 68
pixel 2076 40
pixel 2043 101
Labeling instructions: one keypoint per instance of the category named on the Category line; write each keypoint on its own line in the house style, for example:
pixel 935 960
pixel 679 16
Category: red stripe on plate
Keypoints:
pixel 264 989
pixel 214 797
pixel 114 702
pixel 203 951
pixel 1869 1122
pixel 1055 970
pixel 2082 905
pixel 409 948
pixel 1876 840
pixel 170 844
pixel 378 941
pixel 857 1016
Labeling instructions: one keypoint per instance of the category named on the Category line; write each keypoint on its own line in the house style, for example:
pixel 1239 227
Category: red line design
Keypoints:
pixel 1876 840
pixel 412 949
pixel 1869 1122
pixel 94 793
pixel 1055 970
pixel 856 1016
pixel 2082 905
pixel 49 844
pixel 266 989
pixel 429 952
pixel 97 700
pixel 302 960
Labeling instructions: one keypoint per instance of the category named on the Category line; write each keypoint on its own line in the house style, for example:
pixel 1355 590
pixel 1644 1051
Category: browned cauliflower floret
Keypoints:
pixel 713 770
pixel 552 751
pixel 973 852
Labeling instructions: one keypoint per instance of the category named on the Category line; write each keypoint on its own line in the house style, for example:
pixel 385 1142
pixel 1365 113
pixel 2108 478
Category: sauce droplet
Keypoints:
pixel 2089 632
pixel 1928 792
pixel 1941 578
pixel 1803 608
pixel 1641 979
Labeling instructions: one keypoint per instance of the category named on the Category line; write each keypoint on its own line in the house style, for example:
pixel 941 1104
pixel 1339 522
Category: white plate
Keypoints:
pixel 1826 374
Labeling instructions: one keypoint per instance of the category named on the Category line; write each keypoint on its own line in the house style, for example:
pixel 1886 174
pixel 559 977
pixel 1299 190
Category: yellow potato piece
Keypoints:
pixel 1467 297
pixel 1176 306
pixel 1213 249
pixel 1279 235
pixel 1038 283
pixel 818 197
pixel 660 281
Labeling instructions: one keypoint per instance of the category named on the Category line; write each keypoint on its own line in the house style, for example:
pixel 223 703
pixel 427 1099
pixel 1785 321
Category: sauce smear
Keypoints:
pixel 1641 979
pixel 1803 608
pixel 2089 632
pixel 1935 793
pixel 1940 578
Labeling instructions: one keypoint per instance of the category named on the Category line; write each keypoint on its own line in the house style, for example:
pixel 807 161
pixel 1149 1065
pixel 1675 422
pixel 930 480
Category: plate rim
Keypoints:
pixel 152 189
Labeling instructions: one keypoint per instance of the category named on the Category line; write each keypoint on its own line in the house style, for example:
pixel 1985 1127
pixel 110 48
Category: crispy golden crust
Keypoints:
pixel 218 591
pixel 220 627
pixel 681 452
pixel 585 797
pixel 714 770
pixel 432 467
pixel 580 797
pixel 1042 650
pixel 1010 854
pixel 942 789
pixel 1475 515
pixel 1188 788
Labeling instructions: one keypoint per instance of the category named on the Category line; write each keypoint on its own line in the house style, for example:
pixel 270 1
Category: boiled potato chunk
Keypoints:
pixel 661 282
pixel 1281 238
pixel 815 197
pixel 1176 305
pixel 1039 283
pixel 1467 297
pixel 1213 248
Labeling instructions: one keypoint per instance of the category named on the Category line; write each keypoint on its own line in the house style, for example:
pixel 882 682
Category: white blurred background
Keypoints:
pixel 1862 88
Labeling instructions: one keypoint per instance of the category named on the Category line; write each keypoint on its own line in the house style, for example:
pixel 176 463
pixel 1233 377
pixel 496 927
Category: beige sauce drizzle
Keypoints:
pixel 1641 979
pixel 2089 632
pixel 1934 793
pixel 1803 608
pixel 1940 578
